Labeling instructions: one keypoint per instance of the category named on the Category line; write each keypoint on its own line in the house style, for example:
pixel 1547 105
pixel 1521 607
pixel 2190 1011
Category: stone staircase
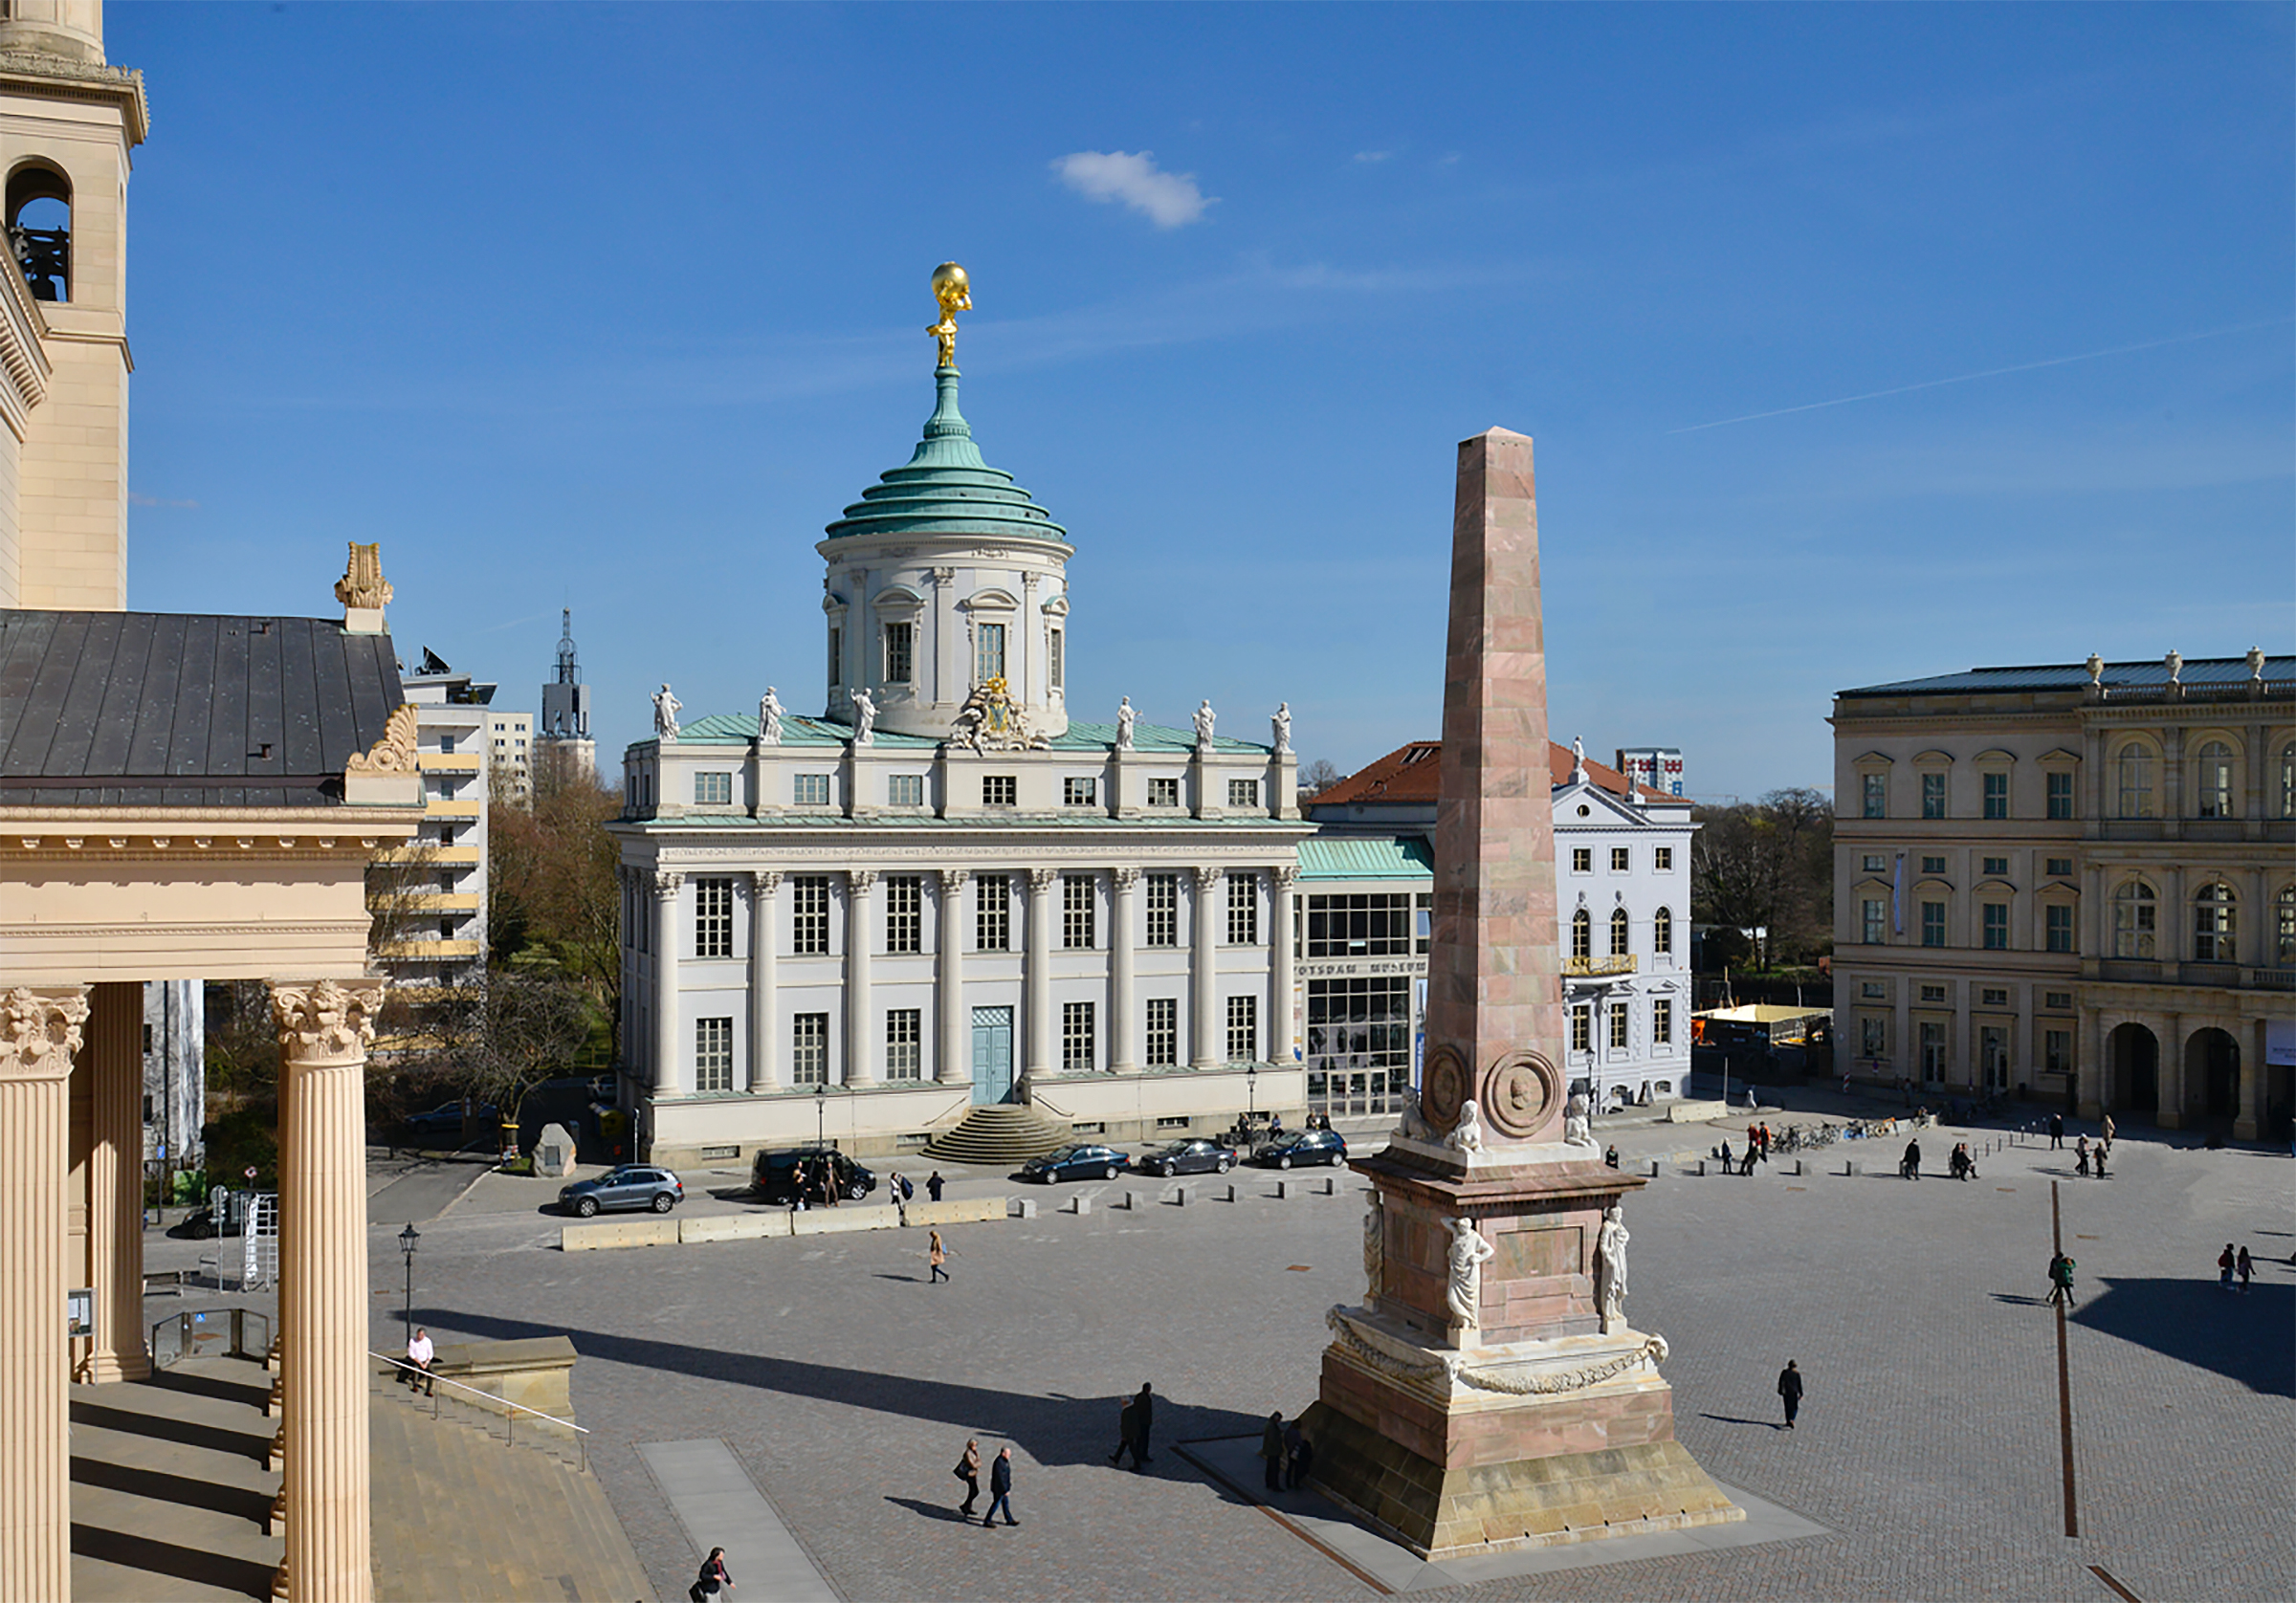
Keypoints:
pixel 997 1133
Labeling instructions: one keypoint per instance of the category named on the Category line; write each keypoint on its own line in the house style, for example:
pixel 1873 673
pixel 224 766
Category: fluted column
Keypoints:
pixel 115 1182
pixel 1123 1021
pixel 2248 1108
pixel 765 1037
pixel 1041 1059
pixel 1208 1049
pixel 324 1029
pixel 1279 1035
pixel 665 982
pixel 39 1032
pixel 860 1038
pixel 955 1046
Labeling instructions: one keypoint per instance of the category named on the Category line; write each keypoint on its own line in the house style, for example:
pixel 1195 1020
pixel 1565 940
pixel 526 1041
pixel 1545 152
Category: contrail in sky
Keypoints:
pixel 1989 373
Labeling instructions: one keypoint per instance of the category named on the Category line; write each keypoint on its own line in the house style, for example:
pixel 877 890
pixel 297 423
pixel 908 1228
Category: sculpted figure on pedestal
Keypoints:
pixel 666 708
pixel 1467 1135
pixel 1374 1249
pixel 1578 1124
pixel 1414 1126
pixel 1124 717
pixel 769 718
pixel 1469 1252
pixel 865 718
pixel 1282 727
pixel 1610 1267
pixel 1205 717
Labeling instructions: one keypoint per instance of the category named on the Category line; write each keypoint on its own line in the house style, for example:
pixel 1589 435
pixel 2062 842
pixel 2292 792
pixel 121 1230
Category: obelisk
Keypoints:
pixel 1489 1393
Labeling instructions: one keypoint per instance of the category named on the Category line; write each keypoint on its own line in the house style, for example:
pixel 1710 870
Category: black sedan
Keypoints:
pixel 1196 1156
pixel 1303 1147
pixel 1080 1162
pixel 633 1185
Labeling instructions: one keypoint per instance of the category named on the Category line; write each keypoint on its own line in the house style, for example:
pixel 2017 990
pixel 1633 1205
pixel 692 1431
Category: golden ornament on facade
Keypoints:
pixel 953 290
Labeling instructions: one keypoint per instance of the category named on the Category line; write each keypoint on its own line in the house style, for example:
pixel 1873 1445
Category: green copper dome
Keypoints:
pixel 946 488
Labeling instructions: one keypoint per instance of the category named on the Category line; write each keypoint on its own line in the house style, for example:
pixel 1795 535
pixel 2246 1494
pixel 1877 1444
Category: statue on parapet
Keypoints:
pixel 1467 1135
pixel 1205 718
pixel 1124 720
pixel 865 718
pixel 769 718
pixel 1282 727
pixel 666 708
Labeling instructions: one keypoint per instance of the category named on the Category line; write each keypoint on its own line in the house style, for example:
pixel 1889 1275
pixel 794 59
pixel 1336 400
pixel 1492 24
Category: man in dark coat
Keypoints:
pixel 1000 1490
pixel 1789 1390
pixel 1128 1433
pixel 1143 1415
pixel 2055 1130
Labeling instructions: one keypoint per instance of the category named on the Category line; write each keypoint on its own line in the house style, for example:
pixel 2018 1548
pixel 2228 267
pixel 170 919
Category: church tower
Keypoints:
pixel 563 742
pixel 69 126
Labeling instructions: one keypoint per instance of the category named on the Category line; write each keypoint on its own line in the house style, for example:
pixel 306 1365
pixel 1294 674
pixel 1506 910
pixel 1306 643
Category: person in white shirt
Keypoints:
pixel 419 1354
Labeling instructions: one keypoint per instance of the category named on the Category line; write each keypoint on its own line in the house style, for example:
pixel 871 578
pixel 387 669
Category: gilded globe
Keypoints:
pixel 951 287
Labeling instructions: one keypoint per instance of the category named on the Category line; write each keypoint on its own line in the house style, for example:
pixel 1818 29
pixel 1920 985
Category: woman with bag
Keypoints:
pixel 969 1471
pixel 936 1257
pixel 713 1575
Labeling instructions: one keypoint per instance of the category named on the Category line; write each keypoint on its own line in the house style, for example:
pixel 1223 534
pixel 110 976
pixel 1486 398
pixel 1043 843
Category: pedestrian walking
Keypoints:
pixel 1725 1155
pixel 2226 1264
pixel 2097 1157
pixel 2081 1157
pixel 2055 1130
pixel 2246 1267
pixel 937 1257
pixel 713 1577
pixel 1128 1435
pixel 1271 1451
pixel 932 1184
pixel 969 1471
pixel 2107 1136
pixel 1789 1390
pixel 2060 1279
pixel 1752 1152
pixel 1143 1404
pixel 1000 1490
pixel 1909 1167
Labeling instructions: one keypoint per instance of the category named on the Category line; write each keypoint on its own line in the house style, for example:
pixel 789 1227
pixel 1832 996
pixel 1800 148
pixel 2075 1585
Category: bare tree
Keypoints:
pixel 554 899
pixel 1317 775
pixel 1768 867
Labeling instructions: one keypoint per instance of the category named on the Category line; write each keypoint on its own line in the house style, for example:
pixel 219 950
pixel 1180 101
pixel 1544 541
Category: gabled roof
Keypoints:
pixel 174 709
pixel 1413 774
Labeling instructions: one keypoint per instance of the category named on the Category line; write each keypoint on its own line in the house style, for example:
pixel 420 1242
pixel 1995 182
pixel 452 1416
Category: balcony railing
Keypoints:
pixel 1592 968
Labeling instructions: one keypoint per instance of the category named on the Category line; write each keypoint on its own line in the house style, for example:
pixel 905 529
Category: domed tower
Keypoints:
pixel 946 578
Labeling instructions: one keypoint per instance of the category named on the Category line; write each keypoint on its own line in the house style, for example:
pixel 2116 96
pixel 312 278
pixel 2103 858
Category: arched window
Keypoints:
pixel 1662 932
pixel 2212 931
pixel 2211 782
pixel 2287 779
pixel 39 230
pixel 2135 915
pixel 1619 939
pixel 2133 795
pixel 2285 939
pixel 1582 935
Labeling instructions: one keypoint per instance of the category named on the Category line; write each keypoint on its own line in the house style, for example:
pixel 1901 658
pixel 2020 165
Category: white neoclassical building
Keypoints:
pixel 944 889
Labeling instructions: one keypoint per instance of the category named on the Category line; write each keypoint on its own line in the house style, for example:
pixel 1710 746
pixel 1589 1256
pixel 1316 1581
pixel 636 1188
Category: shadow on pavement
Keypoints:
pixel 166 1558
pixel 2244 1337
pixel 2020 1302
pixel 946 1513
pixel 1733 1419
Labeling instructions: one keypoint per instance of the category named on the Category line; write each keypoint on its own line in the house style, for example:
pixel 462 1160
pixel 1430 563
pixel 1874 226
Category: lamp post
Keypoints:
pixel 408 1238
pixel 821 1104
pixel 1251 1096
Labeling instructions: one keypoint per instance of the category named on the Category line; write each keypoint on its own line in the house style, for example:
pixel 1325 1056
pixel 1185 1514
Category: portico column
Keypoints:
pixel 115 1181
pixel 955 1047
pixel 1039 973
pixel 2248 1112
pixel 2168 1077
pixel 1279 1039
pixel 324 1029
pixel 1204 978
pixel 1123 1027
pixel 665 982
pixel 860 1039
pixel 764 1039
pixel 39 1032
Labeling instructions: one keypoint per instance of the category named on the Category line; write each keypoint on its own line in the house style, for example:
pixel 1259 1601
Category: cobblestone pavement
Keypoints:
pixel 1929 1442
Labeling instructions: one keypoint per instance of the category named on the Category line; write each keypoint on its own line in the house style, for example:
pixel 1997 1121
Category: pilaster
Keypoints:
pixel 765 1037
pixel 860 1000
pixel 665 982
pixel 1123 1027
pixel 954 1048
pixel 1208 1047
pixel 1038 1048
pixel 1282 879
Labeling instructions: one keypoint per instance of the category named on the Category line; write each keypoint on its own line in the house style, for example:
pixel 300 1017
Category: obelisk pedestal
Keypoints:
pixel 1488 1393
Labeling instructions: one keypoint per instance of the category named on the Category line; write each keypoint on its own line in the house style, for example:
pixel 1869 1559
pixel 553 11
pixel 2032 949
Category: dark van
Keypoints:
pixel 770 1174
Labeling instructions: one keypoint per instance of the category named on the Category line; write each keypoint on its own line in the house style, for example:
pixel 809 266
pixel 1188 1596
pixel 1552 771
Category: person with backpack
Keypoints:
pixel 2226 1264
pixel 969 1471
pixel 937 1257
pixel 714 1576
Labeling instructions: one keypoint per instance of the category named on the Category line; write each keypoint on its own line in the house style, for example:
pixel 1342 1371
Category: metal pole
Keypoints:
pixel 407 1311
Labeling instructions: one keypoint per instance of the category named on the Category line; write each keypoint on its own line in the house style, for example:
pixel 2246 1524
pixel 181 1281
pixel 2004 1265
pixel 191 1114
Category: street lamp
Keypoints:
pixel 820 1103
pixel 1251 1095
pixel 406 1241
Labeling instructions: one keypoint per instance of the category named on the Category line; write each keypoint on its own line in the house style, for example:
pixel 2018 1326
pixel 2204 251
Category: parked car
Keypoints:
pixel 770 1172
pixel 605 1088
pixel 1303 1147
pixel 1075 1163
pixel 1196 1156
pixel 633 1185
pixel 447 1118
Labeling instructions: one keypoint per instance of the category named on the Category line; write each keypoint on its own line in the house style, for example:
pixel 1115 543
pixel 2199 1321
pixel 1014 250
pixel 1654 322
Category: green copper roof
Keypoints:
pixel 946 488
pixel 1365 857
pixel 739 729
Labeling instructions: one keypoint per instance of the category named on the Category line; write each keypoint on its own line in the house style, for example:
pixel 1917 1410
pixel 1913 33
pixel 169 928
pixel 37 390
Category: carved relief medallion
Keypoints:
pixel 1444 1087
pixel 1519 1094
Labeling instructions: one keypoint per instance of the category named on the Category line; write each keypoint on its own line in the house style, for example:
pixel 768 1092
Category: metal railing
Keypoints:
pixel 403 1370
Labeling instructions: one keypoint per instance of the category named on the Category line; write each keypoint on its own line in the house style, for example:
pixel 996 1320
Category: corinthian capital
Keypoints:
pixel 325 1023
pixel 1206 878
pixel 666 883
pixel 952 879
pixel 1126 878
pixel 860 882
pixel 39 1030
pixel 1041 880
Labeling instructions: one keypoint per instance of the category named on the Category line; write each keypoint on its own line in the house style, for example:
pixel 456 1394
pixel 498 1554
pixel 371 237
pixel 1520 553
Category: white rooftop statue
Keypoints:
pixel 1282 727
pixel 1205 717
pixel 1124 718
pixel 769 718
pixel 665 714
pixel 865 718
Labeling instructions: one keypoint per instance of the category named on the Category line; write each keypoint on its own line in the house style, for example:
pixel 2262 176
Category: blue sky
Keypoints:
pixel 615 307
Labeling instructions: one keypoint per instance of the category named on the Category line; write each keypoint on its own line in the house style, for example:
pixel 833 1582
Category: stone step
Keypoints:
pixel 997 1134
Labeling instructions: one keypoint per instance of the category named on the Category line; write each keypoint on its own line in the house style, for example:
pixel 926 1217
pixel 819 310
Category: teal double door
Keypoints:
pixel 992 1054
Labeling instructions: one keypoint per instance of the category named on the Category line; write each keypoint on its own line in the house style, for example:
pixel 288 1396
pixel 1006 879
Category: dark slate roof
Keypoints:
pixel 2073 676
pixel 169 710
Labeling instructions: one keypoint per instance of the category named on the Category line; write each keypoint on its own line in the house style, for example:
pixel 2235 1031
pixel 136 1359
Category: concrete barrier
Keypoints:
pixel 1283 1190
pixel 970 1210
pixel 1695 1112
pixel 838 1221
pixel 1849 1168
pixel 732 1227
pixel 1179 1196
pixel 1020 1207
pixel 1080 1205
pixel 618 1233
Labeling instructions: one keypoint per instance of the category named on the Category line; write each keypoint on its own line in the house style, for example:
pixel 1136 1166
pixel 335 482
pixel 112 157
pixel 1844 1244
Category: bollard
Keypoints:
pixel 1179 1196
pixel 1850 1167
pixel 1232 1192
pixel 1330 1186
pixel 1021 1207
pixel 1702 1166
pixel 1130 1203
pixel 1080 1205
pixel 1283 1190
pixel 1801 1169
pixel 1654 1169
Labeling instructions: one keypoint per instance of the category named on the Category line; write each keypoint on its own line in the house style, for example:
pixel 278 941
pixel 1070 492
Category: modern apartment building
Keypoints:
pixel 429 897
pixel 510 755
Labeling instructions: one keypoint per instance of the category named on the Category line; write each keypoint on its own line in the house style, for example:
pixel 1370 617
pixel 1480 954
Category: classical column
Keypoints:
pixel 2249 1121
pixel 764 1041
pixel 1208 1047
pixel 955 1046
pixel 39 1032
pixel 1041 1059
pixel 665 982
pixel 860 1039
pixel 2168 1077
pixel 1280 879
pixel 115 1181
pixel 323 1033
pixel 1123 1025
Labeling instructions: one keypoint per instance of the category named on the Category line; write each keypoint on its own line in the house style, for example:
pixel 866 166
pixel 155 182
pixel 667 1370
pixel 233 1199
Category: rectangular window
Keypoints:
pixel 1661 1021
pixel 904 1042
pixel 1996 866
pixel 2061 795
pixel 1875 921
pixel 1875 788
pixel 1582 859
pixel 1164 1032
pixel 1361 1022
pixel 2060 867
pixel 1662 860
pixel 1242 1030
pixel 713 788
pixel 1075 792
pixel 1933 993
pixel 1163 909
pixel 1000 790
pixel 904 913
pixel 2057 924
pixel 2056 1051
pixel 900 656
pixel 1933 923
pixel 1874 863
pixel 713 918
pixel 810 1050
pixel 1243 910
pixel 809 790
pixel 1996 795
pixel 1079 900
pixel 1163 793
pixel 1618 1026
pixel 836 656
pixel 1622 859
pixel 904 790
pixel 1992 996
pixel 1077 1037
pixel 1360 926
pixel 1933 795
pixel 446 744
pixel 1933 865
pixel 988 652
pixel 1056 658
pixel 1422 923
pixel 713 1054
pixel 1242 793
pixel 1873 1036
pixel 992 912
pixel 809 916
pixel 1582 1028
pixel 1874 990
pixel 1933 1051
pixel 1997 926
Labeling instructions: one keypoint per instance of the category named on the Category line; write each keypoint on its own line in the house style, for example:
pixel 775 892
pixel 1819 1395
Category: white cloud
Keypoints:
pixel 1373 155
pixel 1169 200
pixel 136 498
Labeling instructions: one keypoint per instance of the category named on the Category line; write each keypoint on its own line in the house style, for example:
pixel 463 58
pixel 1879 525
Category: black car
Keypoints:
pixel 1303 1147
pixel 772 1173
pixel 633 1185
pixel 1196 1156
pixel 447 1118
pixel 1083 1161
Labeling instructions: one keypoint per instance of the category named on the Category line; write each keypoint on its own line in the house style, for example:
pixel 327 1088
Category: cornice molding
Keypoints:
pixel 57 77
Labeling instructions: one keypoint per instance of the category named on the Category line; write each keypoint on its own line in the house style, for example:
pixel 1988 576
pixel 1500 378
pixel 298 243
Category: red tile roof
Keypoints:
pixel 1414 773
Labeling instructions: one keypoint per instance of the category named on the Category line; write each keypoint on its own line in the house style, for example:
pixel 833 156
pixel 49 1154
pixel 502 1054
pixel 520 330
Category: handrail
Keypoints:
pixel 515 1408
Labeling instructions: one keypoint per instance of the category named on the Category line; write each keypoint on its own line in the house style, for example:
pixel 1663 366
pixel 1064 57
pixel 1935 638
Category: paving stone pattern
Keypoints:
pixel 846 1384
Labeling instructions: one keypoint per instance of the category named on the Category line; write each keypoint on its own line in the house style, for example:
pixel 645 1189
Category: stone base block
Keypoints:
pixel 1530 1502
